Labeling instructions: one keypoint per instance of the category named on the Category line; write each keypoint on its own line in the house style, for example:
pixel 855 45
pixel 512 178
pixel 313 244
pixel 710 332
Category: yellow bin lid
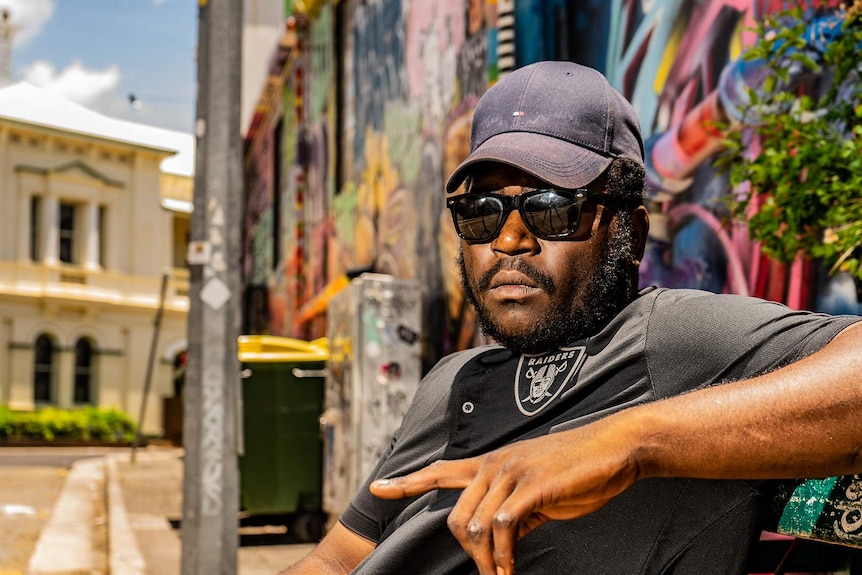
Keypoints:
pixel 271 348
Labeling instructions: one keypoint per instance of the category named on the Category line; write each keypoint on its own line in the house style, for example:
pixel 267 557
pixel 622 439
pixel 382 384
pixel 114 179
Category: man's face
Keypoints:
pixel 533 295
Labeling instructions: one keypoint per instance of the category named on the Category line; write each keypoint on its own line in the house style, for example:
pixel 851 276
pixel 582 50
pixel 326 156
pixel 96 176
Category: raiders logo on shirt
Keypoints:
pixel 540 379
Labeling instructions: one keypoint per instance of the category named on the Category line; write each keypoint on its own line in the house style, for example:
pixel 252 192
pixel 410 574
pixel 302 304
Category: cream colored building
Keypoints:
pixel 94 212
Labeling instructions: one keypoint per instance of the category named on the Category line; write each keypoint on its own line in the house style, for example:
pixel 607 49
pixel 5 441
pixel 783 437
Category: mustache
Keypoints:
pixel 541 279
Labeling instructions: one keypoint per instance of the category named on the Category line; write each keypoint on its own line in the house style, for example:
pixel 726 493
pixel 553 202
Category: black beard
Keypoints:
pixel 607 292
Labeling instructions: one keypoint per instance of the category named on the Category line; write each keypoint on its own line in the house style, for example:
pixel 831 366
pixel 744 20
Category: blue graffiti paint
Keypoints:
pixel 378 65
pixel 541 28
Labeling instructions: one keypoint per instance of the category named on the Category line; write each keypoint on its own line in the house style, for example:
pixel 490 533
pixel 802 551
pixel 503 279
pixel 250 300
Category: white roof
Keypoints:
pixel 27 103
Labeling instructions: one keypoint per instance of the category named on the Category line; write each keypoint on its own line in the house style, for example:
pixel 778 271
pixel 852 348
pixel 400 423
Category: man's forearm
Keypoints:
pixel 804 420
pixel 310 565
pixel 337 554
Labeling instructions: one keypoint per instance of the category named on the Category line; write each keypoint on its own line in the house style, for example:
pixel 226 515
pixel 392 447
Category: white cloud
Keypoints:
pixel 98 91
pixel 75 82
pixel 28 17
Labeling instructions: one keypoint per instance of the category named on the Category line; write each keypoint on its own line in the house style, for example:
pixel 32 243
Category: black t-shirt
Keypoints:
pixel 664 343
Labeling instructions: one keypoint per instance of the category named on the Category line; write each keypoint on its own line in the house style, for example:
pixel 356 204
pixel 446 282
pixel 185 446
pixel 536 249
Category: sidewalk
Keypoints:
pixel 112 516
pixel 144 513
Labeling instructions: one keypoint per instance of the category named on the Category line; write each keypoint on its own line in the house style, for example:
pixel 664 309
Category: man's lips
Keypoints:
pixel 516 274
pixel 511 279
pixel 509 286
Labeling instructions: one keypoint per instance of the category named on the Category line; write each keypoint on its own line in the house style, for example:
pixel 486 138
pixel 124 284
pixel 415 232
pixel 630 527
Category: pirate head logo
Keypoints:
pixel 540 379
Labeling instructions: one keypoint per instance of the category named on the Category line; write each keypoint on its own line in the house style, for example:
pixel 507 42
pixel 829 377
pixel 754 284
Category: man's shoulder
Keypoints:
pixel 683 299
pixel 667 295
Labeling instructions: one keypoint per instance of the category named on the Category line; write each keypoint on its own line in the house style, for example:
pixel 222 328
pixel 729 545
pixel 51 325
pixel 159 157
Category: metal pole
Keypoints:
pixel 154 343
pixel 211 416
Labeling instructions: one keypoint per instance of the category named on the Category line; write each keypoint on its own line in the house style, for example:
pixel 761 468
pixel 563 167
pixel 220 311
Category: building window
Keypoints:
pixel 83 392
pixel 182 236
pixel 35 214
pixel 67 234
pixel 43 370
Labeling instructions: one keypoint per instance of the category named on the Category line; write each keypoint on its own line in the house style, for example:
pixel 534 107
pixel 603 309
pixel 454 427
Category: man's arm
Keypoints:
pixel 337 554
pixel 804 420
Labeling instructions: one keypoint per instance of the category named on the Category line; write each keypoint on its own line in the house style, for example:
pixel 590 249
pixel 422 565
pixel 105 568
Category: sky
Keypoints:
pixel 99 52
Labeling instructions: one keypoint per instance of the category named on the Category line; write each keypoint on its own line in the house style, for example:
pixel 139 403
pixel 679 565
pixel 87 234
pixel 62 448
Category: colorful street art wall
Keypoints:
pixel 680 62
pixel 413 77
pixel 366 143
pixel 259 215
pixel 377 97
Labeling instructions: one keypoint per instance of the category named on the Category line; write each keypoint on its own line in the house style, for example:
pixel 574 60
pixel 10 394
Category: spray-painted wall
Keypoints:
pixel 377 105
pixel 289 181
pixel 366 145
pixel 413 72
pixel 680 62
pixel 258 220
pixel 313 86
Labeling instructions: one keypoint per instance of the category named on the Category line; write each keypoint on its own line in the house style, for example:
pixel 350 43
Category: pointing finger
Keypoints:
pixel 455 474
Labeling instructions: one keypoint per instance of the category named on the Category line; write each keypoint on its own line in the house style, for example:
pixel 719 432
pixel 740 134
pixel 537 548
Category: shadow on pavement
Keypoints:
pixel 257 531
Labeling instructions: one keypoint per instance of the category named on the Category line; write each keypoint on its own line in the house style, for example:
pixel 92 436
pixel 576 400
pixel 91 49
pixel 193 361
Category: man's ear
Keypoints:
pixel 640 223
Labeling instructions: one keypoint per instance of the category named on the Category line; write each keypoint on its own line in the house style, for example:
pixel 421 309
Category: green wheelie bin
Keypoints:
pixel 281 467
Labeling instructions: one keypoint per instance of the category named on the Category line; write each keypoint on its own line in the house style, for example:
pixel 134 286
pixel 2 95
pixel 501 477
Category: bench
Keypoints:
pixel 819 528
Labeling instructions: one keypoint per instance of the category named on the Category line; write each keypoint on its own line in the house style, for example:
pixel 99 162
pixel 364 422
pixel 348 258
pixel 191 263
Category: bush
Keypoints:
pixel 82 424
pixel 804 190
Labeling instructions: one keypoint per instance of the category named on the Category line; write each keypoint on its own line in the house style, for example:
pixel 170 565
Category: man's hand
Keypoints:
pixel 511 491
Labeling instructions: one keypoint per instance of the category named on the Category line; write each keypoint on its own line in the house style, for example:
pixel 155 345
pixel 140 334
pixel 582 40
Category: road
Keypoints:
pixel 57 457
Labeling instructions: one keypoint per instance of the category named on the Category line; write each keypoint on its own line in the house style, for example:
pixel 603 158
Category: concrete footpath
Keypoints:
pixel 140 522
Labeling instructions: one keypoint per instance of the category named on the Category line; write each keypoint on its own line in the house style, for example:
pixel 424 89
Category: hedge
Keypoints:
pixel 54 424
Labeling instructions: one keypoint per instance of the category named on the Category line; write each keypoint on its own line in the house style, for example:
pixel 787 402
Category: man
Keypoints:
pixel 551 452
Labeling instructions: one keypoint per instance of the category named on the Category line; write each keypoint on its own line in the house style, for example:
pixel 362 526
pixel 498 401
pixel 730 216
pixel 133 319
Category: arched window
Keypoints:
pixel 83 392
pixel 43 370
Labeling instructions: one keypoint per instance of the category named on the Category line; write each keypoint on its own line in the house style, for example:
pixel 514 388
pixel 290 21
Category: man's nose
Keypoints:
pixel 515 237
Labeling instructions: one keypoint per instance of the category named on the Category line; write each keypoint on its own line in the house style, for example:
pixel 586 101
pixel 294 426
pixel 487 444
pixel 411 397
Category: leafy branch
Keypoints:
pixel 803 191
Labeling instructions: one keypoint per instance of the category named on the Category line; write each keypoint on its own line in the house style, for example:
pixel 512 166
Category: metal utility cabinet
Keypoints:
pixel 374 333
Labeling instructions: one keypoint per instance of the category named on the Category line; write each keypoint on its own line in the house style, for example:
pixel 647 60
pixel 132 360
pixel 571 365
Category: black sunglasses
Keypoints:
pixel 549 214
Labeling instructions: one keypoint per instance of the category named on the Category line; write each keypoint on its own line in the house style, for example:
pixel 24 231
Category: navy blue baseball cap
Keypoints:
pixel 559 121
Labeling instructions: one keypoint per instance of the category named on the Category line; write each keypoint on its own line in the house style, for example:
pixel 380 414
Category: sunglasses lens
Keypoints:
pixel 549 214
pixel 477 218
pixel 553 213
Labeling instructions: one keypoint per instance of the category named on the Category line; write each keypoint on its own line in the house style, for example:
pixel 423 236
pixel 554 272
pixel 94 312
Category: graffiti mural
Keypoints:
pixel 258 223
pixel 319 165
pixel 460 332
pixel 305 177
pixel 353 179
pixel 415 70
pixel 680 62
pixel 377 55
pixel 257 228
pixel 435 34
pixel 670 59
